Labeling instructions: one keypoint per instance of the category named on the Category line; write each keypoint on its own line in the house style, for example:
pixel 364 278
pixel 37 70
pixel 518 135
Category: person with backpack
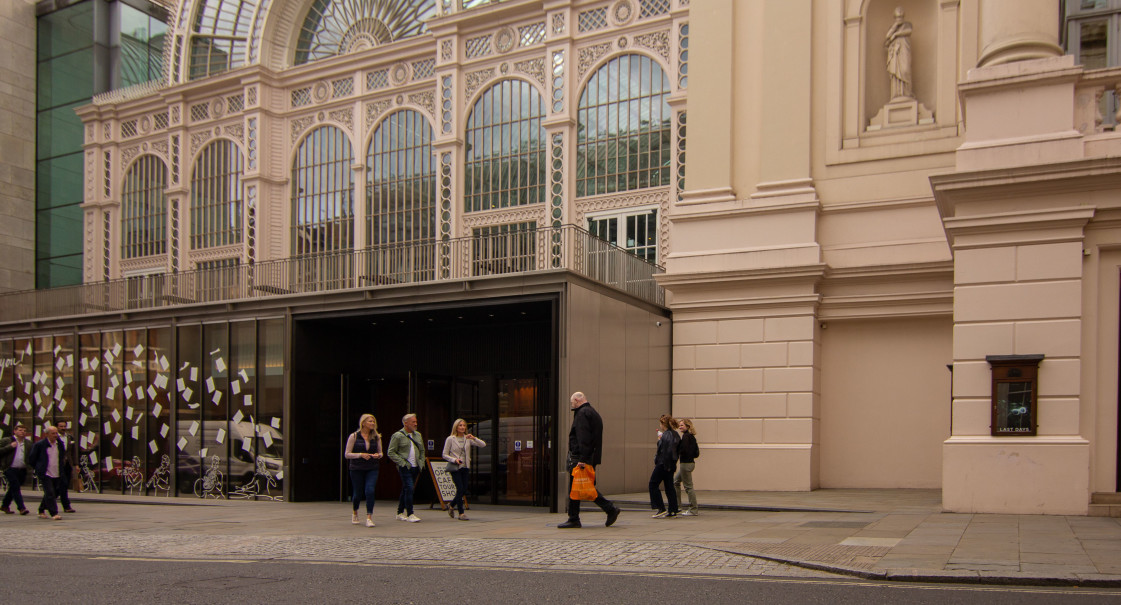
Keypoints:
pixel 688 452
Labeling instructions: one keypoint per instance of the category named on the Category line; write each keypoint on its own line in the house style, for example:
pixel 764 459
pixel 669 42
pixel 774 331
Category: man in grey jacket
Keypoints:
pixel 14 453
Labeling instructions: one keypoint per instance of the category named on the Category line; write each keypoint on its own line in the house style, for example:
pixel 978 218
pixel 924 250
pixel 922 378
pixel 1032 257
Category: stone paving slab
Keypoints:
pixel 877 534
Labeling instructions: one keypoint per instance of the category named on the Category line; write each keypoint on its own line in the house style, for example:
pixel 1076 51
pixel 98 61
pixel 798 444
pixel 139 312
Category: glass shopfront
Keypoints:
pixel 191 410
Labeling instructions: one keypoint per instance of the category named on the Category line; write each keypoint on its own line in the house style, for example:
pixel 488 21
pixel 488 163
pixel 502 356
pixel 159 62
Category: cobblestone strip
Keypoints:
pixel 523 553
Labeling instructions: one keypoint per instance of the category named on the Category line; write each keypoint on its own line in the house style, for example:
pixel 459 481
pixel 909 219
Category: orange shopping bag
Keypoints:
pixel 583 484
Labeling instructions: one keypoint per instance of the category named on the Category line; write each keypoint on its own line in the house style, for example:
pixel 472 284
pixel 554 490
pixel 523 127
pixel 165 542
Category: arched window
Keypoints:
pixel 216 195
pixel 144 208
pixel 323 193
pixel 401 181
pixel 219 36
pixel 623 128
pixel 505 148
pixel 336 27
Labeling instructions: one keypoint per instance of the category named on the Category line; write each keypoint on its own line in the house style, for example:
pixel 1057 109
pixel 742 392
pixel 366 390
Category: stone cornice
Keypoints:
pixel 773 274
pixel 953 189
pixel 1012 228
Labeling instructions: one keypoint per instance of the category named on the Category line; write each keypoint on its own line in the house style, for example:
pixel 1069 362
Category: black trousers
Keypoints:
pixel 574 505
pixel 662 477
pixel 15 477
pixel 50 486
pixel 64 489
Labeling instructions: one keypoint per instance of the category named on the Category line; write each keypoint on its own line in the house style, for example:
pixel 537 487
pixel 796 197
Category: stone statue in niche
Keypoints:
pixel 898 45
pixel 903 109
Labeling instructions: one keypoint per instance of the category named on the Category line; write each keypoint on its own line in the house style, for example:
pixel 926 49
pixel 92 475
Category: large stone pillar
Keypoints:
pixel 1018 30
pixel 744 265
pixel 17 174
pixel 711 80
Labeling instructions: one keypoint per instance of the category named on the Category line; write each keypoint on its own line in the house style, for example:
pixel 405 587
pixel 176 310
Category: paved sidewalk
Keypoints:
pixel 872 534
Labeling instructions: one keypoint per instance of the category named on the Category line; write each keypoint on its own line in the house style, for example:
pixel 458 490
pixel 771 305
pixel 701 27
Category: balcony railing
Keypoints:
pixel 519 252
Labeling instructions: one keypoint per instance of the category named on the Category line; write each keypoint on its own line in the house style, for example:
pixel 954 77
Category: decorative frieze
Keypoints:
pixel 503 216
pixel 425 99
pixel 128 154
pixel 655 41
pixel 198 139
pixel 344 116
pixel 375 109
pixel 201 255
pixel 589 55
pixel 299 125
pixel 235 132
pixel 474 80
pixel 534 68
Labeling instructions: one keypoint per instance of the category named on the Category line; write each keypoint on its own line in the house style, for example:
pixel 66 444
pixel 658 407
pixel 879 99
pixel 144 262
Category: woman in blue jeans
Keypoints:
pixel 457 451
pixel 363 453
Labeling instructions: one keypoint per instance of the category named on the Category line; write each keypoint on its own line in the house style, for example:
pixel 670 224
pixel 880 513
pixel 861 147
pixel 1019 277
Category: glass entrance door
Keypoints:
pixel 519 448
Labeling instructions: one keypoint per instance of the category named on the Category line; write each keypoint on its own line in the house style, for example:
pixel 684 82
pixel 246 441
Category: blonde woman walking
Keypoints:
pixel 688 451
pixel 363 454
pixel 457 451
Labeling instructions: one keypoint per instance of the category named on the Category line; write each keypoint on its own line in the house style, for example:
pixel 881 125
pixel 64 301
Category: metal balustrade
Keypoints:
pixel 518 252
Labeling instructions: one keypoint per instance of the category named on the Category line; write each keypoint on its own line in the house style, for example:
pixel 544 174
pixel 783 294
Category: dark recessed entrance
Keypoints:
pixel 492 364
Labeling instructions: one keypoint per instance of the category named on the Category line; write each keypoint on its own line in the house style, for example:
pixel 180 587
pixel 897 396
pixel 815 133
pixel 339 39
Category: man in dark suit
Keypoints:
pixel 585 447
pixel 48 458
pixel 14 454
pixel 71 465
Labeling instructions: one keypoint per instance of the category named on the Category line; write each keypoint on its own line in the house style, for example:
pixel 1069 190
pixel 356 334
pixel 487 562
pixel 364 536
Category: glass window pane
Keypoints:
pixel 1093 43
pixel 59 131
pixel 65 79
pixel 189 411
pixel 59 232
pixel 59 181
pixel 66 30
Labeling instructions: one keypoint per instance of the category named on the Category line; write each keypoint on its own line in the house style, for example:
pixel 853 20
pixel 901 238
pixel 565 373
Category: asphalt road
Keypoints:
pixel 45 578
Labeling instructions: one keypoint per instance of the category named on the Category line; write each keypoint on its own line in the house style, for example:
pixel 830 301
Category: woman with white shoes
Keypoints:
pixel 363 454
pixel 457 452
pixel 665 463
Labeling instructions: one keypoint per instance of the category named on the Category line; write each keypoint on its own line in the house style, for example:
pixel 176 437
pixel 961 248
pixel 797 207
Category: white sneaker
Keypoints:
pixel 412 519
pixel 402 517
pixel 688 513
pixel 354 518
pixel 660 515
pixel 369 523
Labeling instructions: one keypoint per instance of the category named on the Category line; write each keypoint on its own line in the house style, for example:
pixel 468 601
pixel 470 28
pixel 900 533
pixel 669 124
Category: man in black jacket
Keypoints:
pixel 48 458
pixel 585 447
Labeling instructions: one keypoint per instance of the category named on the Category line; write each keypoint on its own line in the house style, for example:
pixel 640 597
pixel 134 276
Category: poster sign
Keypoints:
pixel 445 486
